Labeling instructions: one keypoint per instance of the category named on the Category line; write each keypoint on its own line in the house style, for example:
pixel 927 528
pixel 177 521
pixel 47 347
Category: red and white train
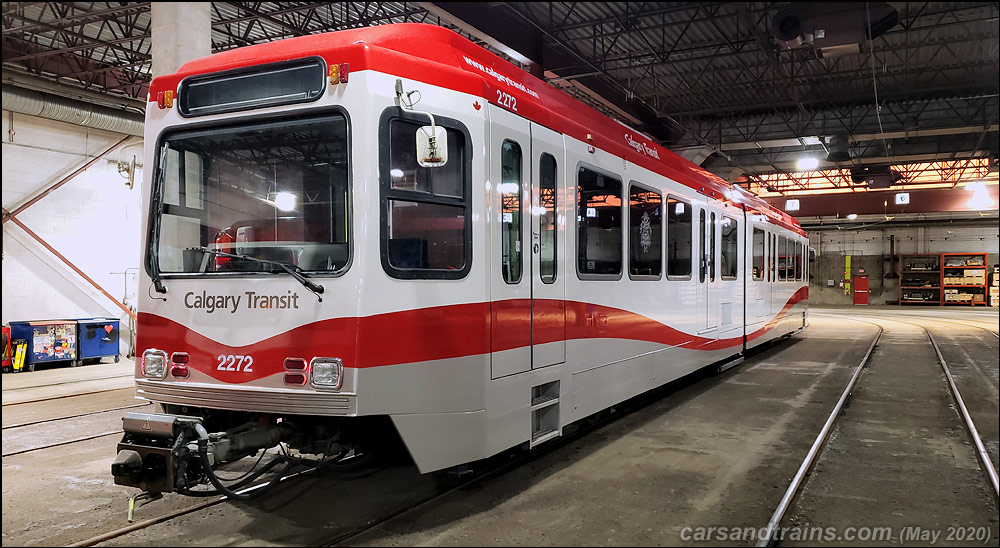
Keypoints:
pixel 391 228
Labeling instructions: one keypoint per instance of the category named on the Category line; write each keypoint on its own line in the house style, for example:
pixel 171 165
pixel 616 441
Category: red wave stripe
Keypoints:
pixel 425 334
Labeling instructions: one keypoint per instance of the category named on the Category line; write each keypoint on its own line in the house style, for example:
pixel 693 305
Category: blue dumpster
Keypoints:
pixel 98 337
pixel 48 341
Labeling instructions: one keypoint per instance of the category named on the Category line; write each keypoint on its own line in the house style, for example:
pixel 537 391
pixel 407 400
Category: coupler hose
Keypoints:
pixel 217 483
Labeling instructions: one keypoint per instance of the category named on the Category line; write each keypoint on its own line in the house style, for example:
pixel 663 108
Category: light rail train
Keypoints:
pixel 391 231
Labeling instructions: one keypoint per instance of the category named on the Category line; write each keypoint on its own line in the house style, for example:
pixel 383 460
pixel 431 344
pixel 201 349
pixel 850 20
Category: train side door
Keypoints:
pixel 708 299
pixel 760 274
pixel 713 282
pixel 775 289
pixel 548 290
pixel 510 276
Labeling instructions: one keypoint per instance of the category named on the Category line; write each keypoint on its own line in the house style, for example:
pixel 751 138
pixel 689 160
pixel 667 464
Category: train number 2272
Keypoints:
pixel 230 362
pixel 506 100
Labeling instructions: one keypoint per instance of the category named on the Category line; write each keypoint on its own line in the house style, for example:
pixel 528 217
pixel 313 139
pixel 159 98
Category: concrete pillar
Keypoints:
pixel 181 31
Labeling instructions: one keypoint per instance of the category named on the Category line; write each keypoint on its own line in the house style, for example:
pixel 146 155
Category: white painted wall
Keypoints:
pixel 930 239
pixel 94 221
pixel 869 249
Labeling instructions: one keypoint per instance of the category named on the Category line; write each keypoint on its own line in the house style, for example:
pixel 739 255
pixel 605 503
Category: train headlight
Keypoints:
pixel 326 372
pixel 154 364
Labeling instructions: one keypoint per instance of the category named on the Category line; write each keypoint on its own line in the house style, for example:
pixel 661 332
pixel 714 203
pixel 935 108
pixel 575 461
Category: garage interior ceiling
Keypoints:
pixel 707 80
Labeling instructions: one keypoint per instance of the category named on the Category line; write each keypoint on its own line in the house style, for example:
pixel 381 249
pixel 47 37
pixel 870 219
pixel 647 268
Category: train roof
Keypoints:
pixel 441 57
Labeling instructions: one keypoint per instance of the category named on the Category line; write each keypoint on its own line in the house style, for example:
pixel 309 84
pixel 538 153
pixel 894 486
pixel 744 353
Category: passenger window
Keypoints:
pixel 426 218
pixel 599 224
pixel 510 222
pixel 730 249
pixel 702 253
pixel 645 232
pixel 758 254
pixel 782 258
pixel 679 224
pixel 800 267
pixel 547 221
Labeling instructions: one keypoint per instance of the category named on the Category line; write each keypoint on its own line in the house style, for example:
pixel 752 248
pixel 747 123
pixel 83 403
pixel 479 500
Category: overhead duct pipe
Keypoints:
pixel 61 109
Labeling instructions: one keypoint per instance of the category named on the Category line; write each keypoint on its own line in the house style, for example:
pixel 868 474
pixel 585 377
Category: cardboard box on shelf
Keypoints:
pixel 951 297
pixel 953 280
pixel 978 298
pixel 950 291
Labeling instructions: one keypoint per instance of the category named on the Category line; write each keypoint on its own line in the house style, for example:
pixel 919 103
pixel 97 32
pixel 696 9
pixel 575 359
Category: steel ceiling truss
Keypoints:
pixel 702 74
pixel 936 174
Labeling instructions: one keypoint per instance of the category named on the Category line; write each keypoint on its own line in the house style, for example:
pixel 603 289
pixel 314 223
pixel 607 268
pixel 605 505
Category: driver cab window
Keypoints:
pixel 426 230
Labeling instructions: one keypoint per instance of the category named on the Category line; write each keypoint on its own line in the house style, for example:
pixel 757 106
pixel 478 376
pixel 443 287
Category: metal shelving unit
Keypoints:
pixel 963 279
pixel 920 278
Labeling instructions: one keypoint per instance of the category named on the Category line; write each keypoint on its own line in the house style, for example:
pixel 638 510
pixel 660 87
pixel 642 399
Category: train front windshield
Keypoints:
pixel 275 192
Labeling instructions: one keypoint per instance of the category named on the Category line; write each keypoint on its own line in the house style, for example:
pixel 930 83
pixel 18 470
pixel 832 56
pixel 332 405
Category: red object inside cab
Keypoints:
pixel 223 242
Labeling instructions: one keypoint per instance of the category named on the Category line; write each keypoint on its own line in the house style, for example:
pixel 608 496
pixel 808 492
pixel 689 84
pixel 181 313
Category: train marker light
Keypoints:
pixel 326 372
pixel 179 371
pixel 180 358
pixel 339 73
pixel 295 364
pixel 295 379
pixel 154 364
pixel 165 99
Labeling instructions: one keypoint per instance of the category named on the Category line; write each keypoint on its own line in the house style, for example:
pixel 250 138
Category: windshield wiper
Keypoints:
pixel 294 270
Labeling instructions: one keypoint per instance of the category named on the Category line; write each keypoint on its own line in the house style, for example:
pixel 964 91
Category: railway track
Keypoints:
pixel 988 467
pixel 76 381
pixel 78 415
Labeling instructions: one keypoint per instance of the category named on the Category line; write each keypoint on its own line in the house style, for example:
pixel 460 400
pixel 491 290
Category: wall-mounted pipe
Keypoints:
pixel 61 109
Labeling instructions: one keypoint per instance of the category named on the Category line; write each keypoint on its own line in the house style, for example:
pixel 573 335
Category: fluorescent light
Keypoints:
pixel 975 186
pixel 980 196
pixel 852 216
pixel 807 164
pixel 284 201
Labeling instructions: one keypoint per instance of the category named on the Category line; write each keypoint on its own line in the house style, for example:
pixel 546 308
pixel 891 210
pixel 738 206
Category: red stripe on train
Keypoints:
pixel 425 334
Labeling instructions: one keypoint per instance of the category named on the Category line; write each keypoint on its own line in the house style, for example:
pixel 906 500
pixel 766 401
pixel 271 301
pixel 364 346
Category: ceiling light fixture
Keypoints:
pixel 807 164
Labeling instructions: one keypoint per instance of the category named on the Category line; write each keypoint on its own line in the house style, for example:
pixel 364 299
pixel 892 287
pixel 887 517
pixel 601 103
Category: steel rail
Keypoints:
pixel 44 421
pixel 986 464
pixel 793 488
pixel 984 457
pixel 68 382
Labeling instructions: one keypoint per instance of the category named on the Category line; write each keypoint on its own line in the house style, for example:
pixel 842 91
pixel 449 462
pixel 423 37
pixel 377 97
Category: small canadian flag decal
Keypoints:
pixel 476 105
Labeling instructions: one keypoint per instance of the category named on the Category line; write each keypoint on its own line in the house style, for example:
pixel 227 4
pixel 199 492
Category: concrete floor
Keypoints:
pixel 709 452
